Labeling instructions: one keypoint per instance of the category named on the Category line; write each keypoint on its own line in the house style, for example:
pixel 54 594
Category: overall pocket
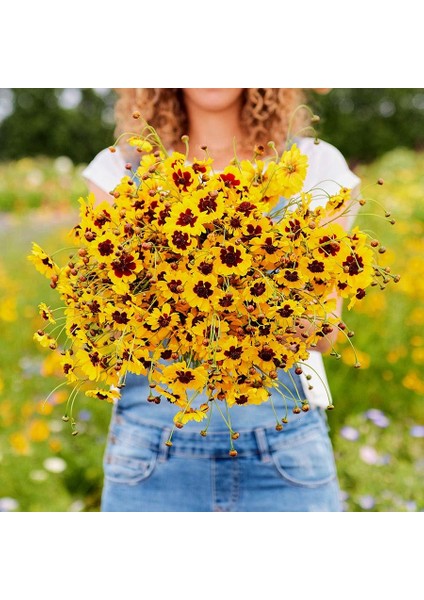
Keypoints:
pixel 306 459
pixel 128 459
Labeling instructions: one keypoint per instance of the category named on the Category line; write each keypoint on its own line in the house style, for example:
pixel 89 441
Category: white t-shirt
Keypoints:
pixel 327 172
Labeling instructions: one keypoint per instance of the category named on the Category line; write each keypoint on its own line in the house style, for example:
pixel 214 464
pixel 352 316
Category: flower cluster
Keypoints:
pixel 204 281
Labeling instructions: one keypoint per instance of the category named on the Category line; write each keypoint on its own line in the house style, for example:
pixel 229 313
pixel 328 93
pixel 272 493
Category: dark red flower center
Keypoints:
pixel 120 317
pixel 268 246
pixel 181 240
pixel 230 256
pixel 229 180
pixel 94 307
pixel 101 219
pixel 226 300
pixel 174 285
pixel 235 222
pixel 329 245
pixel 208 205
pixel 258 289
pixel 246 208
pixel 253 231
pixel 124 265
pixel 242 399
pixel 163 214
pixel 198 168
pixel 164 320
pixel 316 266
pixel 353 264
pixel 233 352
pixel 184 376
pixel 182 179
pixel 266 354
pixel 291 276
pixel 286 311
pixel 205 268
pixel 203 289
pixel 294 228
pixel 187 218
pixel 106 248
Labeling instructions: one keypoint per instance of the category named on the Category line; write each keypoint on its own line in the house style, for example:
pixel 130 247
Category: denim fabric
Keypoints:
pixel 292 470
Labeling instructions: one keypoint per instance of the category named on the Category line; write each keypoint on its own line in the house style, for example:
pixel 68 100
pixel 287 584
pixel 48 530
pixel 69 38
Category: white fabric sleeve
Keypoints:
pixel 106 169
pixel 328 171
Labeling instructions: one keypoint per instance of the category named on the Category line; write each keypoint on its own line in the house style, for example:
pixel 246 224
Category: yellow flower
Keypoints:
pixel 170 282
pixel 44 340
pixel 180 241
pixel 191 414
pixel 232 259
pixel 125 267
pixel 181 377
pixel 201 291
pixel 244 395
pixel 46 313
pixel 42 262
pixel 186 217
pixel 163 318
pixel 140 144
pixel 291 173
pixel 110 395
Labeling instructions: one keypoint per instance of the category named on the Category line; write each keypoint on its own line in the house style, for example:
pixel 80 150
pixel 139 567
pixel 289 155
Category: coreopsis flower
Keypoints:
pixel 182 377
pixel 197 281
pixel 292 171
pixel 46 313
pixel 42 261
pixel 191 414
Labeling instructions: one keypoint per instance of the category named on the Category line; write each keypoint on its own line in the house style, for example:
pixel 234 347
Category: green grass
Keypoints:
pixel 380 469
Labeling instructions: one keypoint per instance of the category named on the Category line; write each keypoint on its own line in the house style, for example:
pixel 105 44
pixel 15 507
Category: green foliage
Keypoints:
pixel 40 125
pixel 365 123
pixel 34 183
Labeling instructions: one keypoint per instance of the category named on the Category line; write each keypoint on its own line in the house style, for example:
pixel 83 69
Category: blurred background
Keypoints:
pixel 47 136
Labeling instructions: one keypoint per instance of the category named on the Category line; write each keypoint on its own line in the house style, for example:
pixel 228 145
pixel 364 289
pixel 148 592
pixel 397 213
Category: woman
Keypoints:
pixel 292 470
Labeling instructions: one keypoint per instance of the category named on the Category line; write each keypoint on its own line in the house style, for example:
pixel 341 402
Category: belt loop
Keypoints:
pixel 262 443
pixel 163 450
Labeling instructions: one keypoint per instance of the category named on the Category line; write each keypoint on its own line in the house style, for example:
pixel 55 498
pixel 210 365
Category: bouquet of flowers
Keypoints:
pixel 204 281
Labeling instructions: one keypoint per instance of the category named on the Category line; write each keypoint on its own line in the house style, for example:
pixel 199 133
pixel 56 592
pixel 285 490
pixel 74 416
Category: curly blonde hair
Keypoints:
pixel 265 114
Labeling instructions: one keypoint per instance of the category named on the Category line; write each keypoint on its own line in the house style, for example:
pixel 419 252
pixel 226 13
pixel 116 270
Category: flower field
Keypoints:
pixel 377 427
